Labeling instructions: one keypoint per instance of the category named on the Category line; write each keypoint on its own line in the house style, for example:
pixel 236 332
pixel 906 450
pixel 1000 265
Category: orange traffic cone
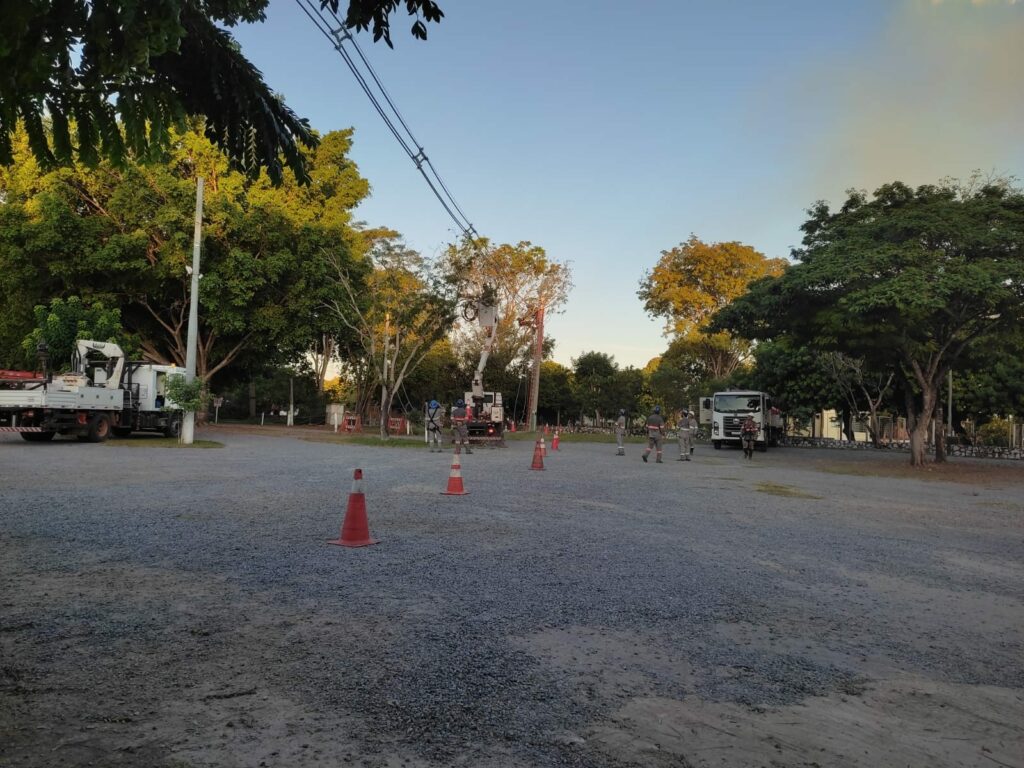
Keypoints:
pixel 554 441
pixel 538 455
pixel 543 447
pixel 355 530
pixel 545 430
pixel 455 479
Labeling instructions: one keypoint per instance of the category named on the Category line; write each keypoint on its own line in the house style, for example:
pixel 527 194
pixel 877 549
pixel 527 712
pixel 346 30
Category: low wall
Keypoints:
pixel 977 451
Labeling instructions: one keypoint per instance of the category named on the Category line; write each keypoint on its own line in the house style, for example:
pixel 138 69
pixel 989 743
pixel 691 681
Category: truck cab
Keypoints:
pixel 730 409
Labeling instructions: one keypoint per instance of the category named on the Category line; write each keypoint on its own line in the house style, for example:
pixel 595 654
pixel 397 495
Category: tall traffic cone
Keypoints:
pixel 355 530
pixel 455 479
pixel 545 430
pixel 538 455
pixel 554 441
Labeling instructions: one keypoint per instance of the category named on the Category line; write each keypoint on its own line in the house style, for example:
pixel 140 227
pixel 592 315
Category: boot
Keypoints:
pixel 644 457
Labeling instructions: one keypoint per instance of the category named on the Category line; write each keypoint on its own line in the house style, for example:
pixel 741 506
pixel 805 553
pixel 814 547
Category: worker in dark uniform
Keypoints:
pixel 620 432
pixel 748 434
pixel 434 419
pixel 460 426
pixel 655 431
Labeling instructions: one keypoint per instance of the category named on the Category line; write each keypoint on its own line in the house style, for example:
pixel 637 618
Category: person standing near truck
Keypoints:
pixel 460 426
pixel 620 432
pixel 434 419
pixel 748 434
pixel 684 434
pixel 655 431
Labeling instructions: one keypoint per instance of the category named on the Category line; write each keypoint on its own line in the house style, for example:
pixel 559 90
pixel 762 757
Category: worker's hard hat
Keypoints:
pixel 434 404
pixel 657 409
pixel 460 403
pixel 622 411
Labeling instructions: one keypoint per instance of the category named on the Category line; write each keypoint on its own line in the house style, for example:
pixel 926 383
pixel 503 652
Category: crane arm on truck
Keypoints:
pixel 487 316
pixel 109 350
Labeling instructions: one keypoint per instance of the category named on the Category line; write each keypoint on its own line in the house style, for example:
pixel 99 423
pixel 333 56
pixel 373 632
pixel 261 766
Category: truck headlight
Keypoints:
pixel 715 428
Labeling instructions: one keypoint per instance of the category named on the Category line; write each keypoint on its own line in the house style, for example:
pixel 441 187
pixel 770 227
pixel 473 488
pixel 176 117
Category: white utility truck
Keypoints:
pixel 97 397
pixel 730 409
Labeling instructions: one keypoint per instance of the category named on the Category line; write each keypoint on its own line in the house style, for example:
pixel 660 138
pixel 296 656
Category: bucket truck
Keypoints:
pixel 486 414
pixel 98 397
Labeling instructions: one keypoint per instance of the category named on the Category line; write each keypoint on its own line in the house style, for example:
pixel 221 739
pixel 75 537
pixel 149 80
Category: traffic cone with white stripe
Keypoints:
pixel 455 487
pixel 543 447
pixel 554 441
pixel 355 530
pixel 538 455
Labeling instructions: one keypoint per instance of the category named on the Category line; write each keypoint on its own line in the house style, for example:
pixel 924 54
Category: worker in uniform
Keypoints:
pixel 748 434
pixel 655 431
pixel 620 432
pixel 684 434
pixel 434 419
pixel 460 426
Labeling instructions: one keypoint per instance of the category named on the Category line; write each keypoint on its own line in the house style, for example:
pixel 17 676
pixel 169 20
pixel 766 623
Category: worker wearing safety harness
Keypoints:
pixel 434 419
pixel 655 431
pixel 460 426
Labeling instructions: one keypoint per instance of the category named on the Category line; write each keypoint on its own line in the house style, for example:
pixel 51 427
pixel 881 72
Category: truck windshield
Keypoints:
pixel 737 403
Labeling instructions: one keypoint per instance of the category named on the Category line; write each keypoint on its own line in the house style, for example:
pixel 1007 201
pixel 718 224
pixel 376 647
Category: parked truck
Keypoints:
pixel 728 410
pixel 102 394
pixel 486 413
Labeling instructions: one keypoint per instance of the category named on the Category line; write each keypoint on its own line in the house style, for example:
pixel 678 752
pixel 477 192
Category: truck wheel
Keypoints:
pixel 38 437
pixel 173 428
pixel 99 429
pixel 716 444
pixel 121 431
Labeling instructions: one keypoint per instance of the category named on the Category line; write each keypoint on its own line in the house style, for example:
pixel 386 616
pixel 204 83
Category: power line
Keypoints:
pixel 338 35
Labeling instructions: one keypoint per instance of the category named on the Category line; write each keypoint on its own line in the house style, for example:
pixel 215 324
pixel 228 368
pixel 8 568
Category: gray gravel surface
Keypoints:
pixel 181 607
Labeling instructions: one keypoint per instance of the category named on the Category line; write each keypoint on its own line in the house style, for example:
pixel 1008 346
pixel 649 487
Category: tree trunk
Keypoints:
pixel 874 427
pixel 252 398
pixel 386 396
pixel 918 422
pixel 940 436
pixel 848 424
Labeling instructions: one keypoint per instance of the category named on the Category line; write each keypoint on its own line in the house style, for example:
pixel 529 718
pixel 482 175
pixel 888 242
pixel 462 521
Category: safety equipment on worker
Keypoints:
pixel 460 403
pixel 622 411
pixel 434 404
pixel 657 409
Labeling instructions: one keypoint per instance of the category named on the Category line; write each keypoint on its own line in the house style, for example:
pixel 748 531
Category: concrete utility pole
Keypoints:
pixel 189 421
pixel 538 354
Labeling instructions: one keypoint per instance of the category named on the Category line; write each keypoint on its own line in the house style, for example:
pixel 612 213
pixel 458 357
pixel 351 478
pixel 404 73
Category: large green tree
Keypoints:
pixel 113 78
pixel 910 280
pixel 124 235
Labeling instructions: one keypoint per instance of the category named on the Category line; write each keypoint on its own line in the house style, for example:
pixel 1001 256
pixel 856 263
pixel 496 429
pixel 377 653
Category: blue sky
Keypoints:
pixel 607 131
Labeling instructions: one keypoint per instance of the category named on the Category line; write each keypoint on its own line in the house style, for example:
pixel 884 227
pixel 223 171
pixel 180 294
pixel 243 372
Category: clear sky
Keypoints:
pixel 607 131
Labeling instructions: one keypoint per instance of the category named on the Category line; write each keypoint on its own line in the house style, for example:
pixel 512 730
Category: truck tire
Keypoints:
pixel 38 437
pixel 716 444
pixel 98 429
pixel 173 428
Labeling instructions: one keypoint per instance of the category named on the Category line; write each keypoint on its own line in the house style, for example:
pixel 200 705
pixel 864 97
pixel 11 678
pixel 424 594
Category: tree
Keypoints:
pixel 909 280
pixel 556 395
pixel 62 323
pixel 124 236
pixel 860 386
pixel 112 79
pixel 407 306
pixel 693 281
pixel 523 278
pixel 594 376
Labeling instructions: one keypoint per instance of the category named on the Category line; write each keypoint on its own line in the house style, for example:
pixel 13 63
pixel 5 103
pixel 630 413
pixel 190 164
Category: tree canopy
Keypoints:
pixel 909 280
pixel 91 79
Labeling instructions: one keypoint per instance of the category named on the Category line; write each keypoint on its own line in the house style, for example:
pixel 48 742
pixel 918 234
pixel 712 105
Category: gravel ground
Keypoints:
pixel 178 608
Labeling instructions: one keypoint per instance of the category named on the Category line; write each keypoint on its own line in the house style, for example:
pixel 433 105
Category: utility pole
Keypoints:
pixel 291 401
pixel 189 421
pixel 538 354
pixel 949 420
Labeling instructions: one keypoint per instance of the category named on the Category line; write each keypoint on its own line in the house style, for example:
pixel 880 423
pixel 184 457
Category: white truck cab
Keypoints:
pixel 728 410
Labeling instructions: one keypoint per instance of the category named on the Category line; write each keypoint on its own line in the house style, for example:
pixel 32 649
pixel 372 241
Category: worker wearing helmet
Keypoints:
pixel 460 426
pixel 684 434
pixel 655 431
pixel 434 419
pixel 748 435
pixel 620 432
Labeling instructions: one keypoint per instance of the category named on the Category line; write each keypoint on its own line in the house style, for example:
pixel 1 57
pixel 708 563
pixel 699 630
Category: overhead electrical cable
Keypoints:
pixel 333 28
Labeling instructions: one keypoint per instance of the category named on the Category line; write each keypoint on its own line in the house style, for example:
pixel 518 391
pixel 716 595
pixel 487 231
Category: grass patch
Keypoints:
pixel 160 442
pixel 966 471
pixel 777 489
